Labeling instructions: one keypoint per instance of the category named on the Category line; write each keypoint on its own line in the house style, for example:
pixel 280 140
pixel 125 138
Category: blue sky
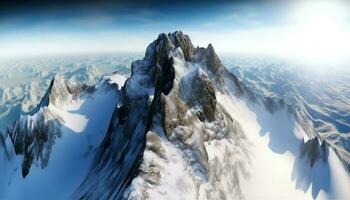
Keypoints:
pixel 148 18
pixel 264 27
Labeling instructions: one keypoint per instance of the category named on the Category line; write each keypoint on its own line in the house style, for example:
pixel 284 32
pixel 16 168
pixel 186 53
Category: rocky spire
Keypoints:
pixel 213 61
pixel 184 42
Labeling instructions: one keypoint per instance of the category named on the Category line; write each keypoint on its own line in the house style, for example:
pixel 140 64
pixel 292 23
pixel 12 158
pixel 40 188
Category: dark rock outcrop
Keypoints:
pixel 33 137
pixel 213 62
pixel 313 151
pixel 199 91
pixel 184 42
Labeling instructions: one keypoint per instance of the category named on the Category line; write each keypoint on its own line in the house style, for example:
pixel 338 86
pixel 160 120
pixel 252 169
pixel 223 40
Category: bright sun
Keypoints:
pixel 320 31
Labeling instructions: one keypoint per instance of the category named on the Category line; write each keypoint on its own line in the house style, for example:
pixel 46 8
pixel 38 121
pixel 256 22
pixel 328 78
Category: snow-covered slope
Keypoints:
pixel 181 127
pixel 322 97
pixel 47 154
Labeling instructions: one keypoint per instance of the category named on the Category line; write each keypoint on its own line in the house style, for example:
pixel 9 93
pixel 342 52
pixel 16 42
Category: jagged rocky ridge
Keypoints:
pixel 169 115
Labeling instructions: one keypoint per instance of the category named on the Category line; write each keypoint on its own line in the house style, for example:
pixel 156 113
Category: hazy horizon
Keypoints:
pixel 316 32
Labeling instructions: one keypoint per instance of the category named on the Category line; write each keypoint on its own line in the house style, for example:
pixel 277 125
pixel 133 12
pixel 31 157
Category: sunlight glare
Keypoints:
pixel 320 31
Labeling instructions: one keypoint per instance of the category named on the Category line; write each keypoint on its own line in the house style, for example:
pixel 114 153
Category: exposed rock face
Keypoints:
pixel 314 151
pixel 34 137
pixel 184 42
pixel 198 90
pixel 213 61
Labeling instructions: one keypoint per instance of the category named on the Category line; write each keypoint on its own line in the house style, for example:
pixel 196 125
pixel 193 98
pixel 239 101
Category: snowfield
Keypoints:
pixel 275 140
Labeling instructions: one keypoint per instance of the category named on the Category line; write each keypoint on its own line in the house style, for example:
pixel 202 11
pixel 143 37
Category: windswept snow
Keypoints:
pixel 175 180
pixel 276 170
pixel 71 119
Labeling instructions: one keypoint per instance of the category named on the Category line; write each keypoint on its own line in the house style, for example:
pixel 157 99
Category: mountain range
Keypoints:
pixel 180 126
